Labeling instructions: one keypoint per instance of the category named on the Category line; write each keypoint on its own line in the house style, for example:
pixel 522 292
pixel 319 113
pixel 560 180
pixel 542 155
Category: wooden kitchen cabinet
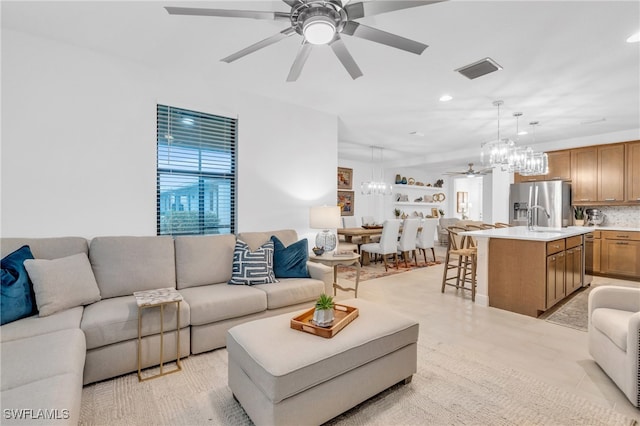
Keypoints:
pixel 559 168
pixel 553 270
pixel 592 244
pixel 611 166
pixel 633 171
pixel 555 278
pixel 584 174
pixel 620 255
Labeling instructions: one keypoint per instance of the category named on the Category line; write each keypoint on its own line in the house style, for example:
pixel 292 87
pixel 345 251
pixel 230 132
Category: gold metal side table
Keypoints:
pixel 329 259
pixel 158 298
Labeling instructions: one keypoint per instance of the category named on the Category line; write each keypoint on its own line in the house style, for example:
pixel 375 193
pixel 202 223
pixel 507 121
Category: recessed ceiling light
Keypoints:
pixel 634 38
pixel 416 133
pixel 445 98
pixel 522 132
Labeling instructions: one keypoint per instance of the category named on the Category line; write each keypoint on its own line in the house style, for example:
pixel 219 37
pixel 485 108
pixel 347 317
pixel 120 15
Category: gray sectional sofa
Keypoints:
pixel 47 360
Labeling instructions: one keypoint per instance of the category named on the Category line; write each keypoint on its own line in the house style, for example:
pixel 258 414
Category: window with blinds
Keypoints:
pixel 196 179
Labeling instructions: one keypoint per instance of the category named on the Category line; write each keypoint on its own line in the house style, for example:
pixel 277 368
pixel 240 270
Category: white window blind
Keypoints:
pixel 196 179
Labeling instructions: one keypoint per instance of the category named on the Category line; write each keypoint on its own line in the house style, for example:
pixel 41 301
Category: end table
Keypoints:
pixel 153 298
pixel 329 259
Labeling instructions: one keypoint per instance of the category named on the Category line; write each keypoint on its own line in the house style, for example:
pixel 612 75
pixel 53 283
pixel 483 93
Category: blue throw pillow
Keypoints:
pixel 252 267
pixel 290 262
pixel 17 298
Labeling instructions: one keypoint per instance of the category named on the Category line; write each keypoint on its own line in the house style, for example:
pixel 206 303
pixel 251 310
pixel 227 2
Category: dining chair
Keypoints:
pixel 426 237
pixel 388 242
pixel 461 256
pixel 368 220
pixel 408 239
pixel 349 222
pixel 502 225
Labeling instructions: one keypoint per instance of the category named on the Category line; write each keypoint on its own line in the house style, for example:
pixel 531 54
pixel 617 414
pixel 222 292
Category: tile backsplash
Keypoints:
pixel 623 216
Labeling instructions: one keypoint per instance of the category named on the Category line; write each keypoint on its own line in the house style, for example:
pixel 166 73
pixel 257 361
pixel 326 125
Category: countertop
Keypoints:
pixel 539 234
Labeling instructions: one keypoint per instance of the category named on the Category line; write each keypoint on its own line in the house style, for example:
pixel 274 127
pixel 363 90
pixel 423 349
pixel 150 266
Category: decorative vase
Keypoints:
pixel 404 180
pixel 323 317
pixel 398 179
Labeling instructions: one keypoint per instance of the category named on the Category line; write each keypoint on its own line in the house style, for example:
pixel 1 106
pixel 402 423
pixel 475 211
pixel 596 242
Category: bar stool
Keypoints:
pixel 461 256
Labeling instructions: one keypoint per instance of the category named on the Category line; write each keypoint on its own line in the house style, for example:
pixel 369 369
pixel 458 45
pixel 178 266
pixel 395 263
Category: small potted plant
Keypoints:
pixel 441 211
pixel 323 315
pixel 397 213
pixel 578 213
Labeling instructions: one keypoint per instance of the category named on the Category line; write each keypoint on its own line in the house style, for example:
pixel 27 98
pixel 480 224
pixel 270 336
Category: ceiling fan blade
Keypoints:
pixel 225 13
pixel 345 57
pixel 370 8
pixel 291 2
pixel 259 45
pixel 355 29
pixel 298 63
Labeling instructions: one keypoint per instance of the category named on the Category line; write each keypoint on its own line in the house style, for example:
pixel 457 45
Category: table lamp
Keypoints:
pixel 325 218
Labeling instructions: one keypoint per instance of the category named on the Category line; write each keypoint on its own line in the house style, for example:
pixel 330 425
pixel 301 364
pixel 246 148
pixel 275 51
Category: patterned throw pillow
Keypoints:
pixel 252 267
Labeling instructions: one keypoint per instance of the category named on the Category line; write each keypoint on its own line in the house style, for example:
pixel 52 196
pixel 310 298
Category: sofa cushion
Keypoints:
pixel 35 325
pixel 47 355
pixel 613 323
pixel 62 393
pixel 256 239
pixel 290 261
pixel 46 248
pixel 123 265
pixel 217 302
pixel 17 299
pixel 62 283
pixel 291 291
pixel 203 260
pixel 252 267
pixel 116 320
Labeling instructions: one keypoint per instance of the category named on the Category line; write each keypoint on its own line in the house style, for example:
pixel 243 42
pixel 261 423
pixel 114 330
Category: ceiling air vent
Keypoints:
pixel 479 68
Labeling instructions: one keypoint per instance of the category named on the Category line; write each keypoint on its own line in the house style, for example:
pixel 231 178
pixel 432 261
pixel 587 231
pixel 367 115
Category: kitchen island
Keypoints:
pixel 528 271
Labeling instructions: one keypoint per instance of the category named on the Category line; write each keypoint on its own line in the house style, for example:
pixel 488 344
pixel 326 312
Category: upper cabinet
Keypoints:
pixel 559 168
pixel 584 174
pixel 633 171
pixel 599 175
pixel 611 173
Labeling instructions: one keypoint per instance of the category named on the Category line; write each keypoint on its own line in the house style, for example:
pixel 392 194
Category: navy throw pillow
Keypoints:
pixel 17 298
pixel 290 262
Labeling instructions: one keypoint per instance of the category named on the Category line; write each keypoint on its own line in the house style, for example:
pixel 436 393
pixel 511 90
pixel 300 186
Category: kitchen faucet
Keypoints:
pixel 530 216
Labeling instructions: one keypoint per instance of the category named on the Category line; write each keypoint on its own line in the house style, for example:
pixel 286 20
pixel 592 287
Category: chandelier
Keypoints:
pixel 374 187
pixel 506 154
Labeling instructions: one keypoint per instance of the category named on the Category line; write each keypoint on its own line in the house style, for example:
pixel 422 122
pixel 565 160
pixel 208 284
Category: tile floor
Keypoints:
pixel 552 353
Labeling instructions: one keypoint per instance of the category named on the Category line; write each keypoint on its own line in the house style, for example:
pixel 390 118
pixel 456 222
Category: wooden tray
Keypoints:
pixel 343 315
pixel 372 226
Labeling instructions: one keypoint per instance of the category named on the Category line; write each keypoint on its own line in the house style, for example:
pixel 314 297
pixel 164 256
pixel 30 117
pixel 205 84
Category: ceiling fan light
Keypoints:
pixel 319 30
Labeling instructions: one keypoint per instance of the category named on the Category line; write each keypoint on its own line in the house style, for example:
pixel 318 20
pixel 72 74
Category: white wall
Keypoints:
pixel 79 145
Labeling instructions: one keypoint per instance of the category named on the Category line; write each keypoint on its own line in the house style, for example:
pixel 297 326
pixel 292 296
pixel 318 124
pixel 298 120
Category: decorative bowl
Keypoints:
pixel 318 251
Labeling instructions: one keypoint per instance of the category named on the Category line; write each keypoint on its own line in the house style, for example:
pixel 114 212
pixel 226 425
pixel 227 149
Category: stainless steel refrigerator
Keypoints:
pixel 554 196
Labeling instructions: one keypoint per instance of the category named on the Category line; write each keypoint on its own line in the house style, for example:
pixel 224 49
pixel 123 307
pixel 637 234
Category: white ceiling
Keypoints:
pixel 566 65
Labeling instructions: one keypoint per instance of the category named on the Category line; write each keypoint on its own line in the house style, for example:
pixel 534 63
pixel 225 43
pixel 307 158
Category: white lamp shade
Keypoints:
pixel 324 217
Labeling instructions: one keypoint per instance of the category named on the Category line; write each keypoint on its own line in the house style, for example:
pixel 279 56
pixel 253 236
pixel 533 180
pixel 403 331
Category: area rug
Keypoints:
pixel 449 388
pixel 376 270
pixel 572 313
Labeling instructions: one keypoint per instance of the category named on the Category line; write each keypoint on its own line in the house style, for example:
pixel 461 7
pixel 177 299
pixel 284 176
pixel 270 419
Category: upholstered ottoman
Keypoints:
pixel 283 376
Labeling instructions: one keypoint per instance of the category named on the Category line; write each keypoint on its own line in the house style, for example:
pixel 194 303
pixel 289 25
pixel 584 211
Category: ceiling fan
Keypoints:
pixel 320 22
pixel 470 172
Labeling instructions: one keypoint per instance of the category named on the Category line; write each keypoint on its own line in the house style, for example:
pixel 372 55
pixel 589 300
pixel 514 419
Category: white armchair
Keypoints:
pixel 614 336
